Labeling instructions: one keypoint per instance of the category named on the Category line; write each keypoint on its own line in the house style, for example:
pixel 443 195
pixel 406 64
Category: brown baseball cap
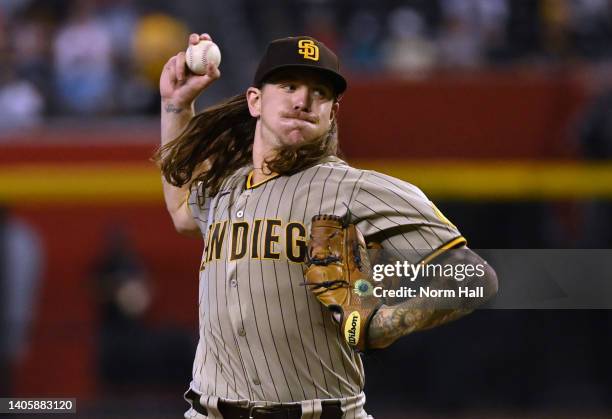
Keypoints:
pixel 300 52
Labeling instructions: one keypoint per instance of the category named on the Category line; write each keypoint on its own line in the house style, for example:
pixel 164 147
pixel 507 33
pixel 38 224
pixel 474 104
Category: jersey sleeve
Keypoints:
pixel 198 205
pixel 401 218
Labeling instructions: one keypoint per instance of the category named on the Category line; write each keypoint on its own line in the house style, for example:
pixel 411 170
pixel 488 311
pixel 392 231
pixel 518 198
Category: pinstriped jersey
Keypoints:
pixel 264 336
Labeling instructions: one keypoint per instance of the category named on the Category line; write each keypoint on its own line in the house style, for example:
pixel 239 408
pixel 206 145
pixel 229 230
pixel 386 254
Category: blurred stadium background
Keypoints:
pixel 501 111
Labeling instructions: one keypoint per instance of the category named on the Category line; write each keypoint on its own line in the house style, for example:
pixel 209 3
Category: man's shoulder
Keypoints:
pixel 378 180
pixel 332 170
pixel 382 187
pixel 336 170
pixel 336 164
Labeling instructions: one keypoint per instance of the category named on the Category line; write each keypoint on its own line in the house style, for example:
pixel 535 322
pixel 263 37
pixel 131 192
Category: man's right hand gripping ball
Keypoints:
pixel 180 85
pixel 339 273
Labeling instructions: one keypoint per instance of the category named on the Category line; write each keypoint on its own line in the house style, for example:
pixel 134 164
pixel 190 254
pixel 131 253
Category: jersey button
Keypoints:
pixel 256 381
pixel 241 331
pixel 233 283
pixel 239 214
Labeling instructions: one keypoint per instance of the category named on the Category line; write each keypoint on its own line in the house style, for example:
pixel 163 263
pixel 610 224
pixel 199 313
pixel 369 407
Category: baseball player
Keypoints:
pixel 248 175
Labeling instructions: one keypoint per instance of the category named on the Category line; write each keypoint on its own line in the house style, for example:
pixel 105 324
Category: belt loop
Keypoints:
pixel 210 403
pixel 311 409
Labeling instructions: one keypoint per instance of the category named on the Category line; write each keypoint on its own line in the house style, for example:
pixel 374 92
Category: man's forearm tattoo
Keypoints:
pixel 391 323
pixel 171 108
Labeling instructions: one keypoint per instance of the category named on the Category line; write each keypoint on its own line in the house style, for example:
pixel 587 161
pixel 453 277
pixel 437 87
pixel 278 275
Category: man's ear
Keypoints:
pixel 253 97
pixel 334 110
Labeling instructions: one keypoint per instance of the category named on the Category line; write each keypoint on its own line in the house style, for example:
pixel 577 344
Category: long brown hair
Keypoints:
pixel 218 141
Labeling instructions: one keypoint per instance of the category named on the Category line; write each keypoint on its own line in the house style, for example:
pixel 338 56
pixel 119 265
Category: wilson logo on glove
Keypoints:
pixel 351 328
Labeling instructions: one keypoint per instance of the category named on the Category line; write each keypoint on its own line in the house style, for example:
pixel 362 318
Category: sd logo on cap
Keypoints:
pixel 308 49
pixel 311 54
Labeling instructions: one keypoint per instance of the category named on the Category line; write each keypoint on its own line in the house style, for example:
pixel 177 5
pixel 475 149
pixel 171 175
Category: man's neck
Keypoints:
pixel 261 152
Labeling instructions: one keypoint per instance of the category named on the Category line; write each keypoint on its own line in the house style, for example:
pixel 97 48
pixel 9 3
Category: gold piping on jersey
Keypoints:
pixel 249 179
pixel 441 216
pixel 450 245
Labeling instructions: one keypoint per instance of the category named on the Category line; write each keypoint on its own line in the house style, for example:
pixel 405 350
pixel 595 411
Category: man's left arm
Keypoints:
pixel 421 313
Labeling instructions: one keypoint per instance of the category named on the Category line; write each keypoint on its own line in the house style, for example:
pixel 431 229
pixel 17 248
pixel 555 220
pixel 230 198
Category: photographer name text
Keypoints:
pixel 427 292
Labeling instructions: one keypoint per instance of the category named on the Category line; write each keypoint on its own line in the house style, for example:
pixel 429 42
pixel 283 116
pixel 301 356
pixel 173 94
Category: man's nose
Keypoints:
pixel 302 99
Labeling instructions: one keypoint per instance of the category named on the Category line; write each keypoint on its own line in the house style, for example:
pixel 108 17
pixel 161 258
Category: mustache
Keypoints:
pixel 301 115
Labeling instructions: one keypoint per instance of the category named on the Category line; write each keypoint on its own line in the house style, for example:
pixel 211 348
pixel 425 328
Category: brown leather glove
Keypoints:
pixel 340 275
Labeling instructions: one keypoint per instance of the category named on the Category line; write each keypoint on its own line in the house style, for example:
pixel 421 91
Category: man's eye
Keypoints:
pixel 322 92
pixel 288 87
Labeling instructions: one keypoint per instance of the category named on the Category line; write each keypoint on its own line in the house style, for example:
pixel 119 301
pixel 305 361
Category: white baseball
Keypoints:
pixel 198 56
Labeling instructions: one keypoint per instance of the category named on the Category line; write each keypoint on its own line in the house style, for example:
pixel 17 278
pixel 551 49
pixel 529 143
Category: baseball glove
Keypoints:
pixel 339 273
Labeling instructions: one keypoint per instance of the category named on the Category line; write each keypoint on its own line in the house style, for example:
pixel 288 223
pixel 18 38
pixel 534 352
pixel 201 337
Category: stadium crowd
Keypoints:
pixel 103 57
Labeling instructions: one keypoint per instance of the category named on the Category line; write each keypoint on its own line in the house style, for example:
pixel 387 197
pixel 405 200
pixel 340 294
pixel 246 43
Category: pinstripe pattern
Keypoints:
pixel 263 336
